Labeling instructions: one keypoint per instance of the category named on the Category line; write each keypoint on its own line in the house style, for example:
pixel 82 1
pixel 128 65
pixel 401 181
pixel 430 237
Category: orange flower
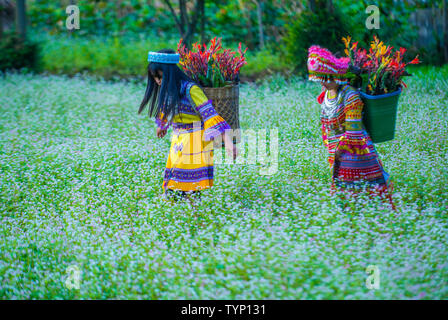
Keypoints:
pixel 385 61
pixel 347 41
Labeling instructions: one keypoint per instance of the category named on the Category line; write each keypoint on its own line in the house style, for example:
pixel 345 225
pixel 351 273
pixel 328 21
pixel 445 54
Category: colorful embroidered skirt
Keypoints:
pixel 354 170
pixel 190 162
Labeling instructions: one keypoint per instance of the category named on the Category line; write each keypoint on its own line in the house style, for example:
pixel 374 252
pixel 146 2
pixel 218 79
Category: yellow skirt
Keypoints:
pixel 189 166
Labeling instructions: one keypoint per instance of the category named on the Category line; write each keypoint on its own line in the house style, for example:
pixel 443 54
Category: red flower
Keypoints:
pixel 383 67
pixel 415 61
pixel 402 51
pixel 196 63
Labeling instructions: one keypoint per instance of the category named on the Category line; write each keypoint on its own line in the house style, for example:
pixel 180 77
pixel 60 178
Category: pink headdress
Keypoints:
pixel 324 66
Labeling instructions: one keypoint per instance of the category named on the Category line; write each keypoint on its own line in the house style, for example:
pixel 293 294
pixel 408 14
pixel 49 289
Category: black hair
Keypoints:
pixel 164 98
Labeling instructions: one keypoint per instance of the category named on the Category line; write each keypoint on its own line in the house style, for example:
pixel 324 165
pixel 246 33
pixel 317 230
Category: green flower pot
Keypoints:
pixel 380 115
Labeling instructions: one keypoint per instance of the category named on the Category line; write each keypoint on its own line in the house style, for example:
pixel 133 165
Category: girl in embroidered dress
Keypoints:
pixel 352 156
pixel 175 100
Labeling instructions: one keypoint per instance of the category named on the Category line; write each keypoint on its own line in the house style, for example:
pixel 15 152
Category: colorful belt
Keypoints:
pixel 333 132
pixel 186 126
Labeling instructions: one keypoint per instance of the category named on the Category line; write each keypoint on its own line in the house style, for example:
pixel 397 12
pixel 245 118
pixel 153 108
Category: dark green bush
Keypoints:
pixel 18 53
pixel 315 28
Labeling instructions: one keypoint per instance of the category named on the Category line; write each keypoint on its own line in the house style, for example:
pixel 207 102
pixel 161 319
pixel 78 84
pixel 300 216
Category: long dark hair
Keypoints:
pixel 164 98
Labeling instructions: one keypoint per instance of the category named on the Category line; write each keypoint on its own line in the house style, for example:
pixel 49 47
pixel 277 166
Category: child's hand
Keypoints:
pixel 161 132
pixel 231 149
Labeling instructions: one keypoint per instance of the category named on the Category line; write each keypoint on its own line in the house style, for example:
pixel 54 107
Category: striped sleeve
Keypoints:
pixel 161 122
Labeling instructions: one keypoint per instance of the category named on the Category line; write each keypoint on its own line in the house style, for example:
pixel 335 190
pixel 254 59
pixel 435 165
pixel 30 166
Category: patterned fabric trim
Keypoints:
pixel 184 108
pixel 216 130
pixel 182 128
pixel 186 91
pixel 206 110
pixel 186 126
pixel 189 175
pixel 353 125
pixel 162 124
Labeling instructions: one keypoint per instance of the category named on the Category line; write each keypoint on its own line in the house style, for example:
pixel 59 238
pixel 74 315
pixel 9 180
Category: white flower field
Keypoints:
pixel 81 184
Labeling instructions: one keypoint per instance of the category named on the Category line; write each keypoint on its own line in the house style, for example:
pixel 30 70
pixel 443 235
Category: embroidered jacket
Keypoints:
pixel 195 107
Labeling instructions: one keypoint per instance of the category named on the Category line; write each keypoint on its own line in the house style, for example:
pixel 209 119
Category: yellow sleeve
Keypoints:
pixel 198 95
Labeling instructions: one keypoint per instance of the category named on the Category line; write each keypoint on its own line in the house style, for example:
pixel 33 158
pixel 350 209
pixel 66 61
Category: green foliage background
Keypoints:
pixel 114 36
pixel 320 28
pixel 16 53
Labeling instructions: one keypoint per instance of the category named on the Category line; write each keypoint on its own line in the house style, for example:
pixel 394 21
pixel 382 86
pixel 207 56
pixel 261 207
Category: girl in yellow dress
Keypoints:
pixel 175 100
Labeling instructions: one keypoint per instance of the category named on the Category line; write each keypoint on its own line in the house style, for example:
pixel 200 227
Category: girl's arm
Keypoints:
pixel 214 124
pixel 162 125
pixel 230 147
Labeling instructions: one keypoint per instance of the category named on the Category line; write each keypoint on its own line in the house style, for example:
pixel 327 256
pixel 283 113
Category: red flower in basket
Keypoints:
pixel 212 66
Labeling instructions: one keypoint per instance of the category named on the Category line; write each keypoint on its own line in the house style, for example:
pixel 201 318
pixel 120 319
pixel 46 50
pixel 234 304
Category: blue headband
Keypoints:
pixel 163 57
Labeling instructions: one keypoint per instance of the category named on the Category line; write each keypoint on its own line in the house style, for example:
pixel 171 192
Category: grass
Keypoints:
pixel 107 57
pixel 125 57
pixel 80 185
pixel 117 57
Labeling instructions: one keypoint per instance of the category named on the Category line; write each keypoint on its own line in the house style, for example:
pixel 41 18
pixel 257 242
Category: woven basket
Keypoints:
pixel 226 103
